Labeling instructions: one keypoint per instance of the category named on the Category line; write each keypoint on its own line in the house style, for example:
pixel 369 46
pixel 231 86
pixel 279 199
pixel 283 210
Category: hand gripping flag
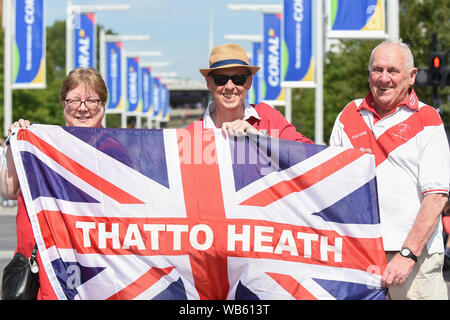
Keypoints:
pixel 191 214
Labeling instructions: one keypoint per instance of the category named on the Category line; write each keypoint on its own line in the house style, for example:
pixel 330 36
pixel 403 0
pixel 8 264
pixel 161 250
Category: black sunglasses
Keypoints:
pixel 222 79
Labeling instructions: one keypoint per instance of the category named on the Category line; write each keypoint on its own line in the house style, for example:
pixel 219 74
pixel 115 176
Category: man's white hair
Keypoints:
pixel 409 59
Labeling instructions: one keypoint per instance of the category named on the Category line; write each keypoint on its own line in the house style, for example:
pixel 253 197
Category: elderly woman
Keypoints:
pixel 228 78
pixel 83 98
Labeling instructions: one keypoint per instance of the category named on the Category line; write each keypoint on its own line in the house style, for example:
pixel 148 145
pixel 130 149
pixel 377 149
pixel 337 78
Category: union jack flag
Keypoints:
pixel 192 214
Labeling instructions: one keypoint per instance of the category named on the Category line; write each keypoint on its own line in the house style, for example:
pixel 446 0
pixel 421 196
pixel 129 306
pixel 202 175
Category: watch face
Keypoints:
pixel 405 252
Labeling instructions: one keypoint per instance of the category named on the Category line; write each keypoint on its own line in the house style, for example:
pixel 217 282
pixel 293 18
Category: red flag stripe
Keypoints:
pixel 72 237
pixel 208 203
pixel 140 285
pixel 292 286
pixel 304 181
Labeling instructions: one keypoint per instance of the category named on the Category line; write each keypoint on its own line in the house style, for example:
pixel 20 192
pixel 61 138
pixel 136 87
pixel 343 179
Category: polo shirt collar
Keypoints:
pixel 208 123
pixel 411 101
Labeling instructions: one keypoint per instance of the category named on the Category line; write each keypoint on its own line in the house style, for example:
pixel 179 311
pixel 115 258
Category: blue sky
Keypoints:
pixel 178 28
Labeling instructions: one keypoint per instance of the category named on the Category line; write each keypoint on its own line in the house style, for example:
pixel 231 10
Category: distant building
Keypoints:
pixel 187 94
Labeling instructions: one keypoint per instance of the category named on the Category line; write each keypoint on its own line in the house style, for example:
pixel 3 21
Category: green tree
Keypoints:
pixel 43 105
pixel 345 70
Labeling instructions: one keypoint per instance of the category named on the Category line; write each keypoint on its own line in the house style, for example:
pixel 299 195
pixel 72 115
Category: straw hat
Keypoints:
pixel 228 56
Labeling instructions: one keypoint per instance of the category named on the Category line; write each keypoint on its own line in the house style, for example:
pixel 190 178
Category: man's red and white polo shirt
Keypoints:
pixel 412 157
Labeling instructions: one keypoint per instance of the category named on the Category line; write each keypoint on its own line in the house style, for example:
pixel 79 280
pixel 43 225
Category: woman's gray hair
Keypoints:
pixel 409 59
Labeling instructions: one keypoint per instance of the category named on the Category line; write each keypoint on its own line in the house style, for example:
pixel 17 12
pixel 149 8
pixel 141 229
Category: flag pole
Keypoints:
pixel 69 36
pixel 393 26
pixel 7 65
pixel 318 123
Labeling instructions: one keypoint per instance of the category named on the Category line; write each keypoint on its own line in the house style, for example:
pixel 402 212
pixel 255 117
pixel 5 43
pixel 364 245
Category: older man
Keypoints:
pixel 229 77
pixel 411 152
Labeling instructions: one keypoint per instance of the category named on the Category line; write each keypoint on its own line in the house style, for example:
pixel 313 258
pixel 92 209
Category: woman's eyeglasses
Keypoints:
pixel 222 79
pixel 89 103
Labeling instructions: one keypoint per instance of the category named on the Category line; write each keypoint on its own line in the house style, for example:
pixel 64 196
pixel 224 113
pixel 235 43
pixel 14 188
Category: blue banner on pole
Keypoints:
pixel 272 57
pixel 133 85
pixel 156 96
pixel 29 47
pixel 298 58
pixel 147 86
pixel 356 19
pixel 85 40
pixel 114 76
pixel 257 60
pixel 166 103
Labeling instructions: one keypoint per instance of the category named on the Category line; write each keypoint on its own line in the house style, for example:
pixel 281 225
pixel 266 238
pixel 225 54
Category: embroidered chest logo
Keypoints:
pixel 402 131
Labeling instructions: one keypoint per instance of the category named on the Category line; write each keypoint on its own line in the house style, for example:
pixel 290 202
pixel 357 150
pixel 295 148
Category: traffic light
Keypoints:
pixel 437 75
pixel 447 77
pixel 423 78
pixel 437 69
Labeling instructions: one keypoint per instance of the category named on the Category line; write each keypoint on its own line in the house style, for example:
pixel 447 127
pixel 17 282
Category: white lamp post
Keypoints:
pixel 318 123
pixel 70 10
pixel 104 38
pixel 141 54
pixel 265 8
pixel 7 64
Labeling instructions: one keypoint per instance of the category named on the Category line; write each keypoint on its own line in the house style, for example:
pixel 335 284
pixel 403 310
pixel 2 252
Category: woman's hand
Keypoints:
pixel 21 124
pixel 9 181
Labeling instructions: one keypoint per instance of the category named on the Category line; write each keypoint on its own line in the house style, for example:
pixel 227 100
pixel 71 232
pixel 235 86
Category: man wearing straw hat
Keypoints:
pixel 229 77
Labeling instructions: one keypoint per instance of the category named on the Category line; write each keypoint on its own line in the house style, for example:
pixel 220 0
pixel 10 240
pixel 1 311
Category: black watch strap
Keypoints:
pixel 407 253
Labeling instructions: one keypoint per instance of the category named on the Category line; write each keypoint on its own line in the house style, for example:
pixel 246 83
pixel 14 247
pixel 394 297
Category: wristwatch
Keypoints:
pixel 406 252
